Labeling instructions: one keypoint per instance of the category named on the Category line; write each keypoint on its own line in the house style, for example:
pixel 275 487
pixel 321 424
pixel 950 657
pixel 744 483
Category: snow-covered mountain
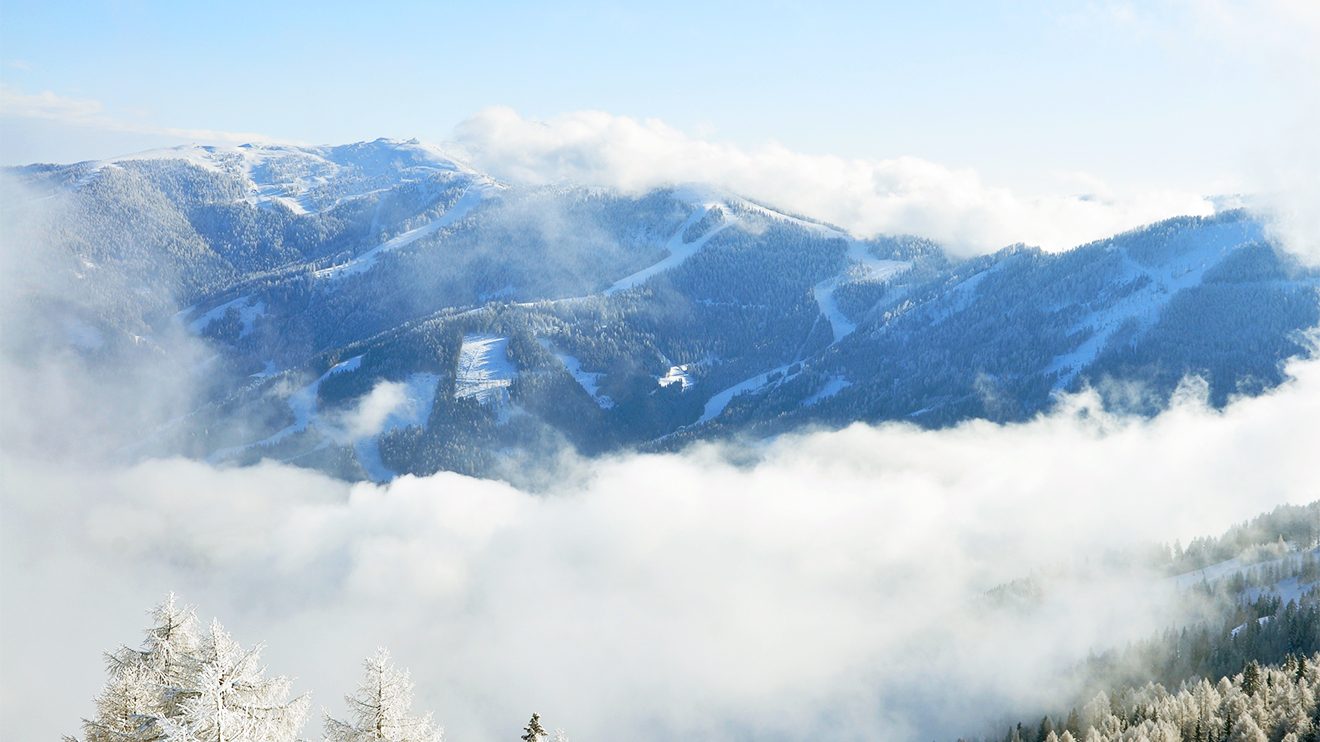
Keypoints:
pixel 501 322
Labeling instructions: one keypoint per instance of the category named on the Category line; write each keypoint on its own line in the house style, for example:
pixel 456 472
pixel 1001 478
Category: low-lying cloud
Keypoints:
pixel 904 195
pixel 831 588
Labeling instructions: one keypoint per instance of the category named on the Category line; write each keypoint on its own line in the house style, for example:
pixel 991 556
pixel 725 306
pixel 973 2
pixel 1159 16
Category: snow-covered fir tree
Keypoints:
pixel 381 709
pixel 533 732
pixel 229 699
pixel 1263 703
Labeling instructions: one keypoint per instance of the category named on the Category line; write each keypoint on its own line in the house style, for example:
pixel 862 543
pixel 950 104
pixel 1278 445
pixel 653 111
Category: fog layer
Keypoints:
pixel 829 587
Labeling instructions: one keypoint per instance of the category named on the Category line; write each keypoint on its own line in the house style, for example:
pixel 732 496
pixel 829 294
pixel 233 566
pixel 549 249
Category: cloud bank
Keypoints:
pixel 905 195
pixel 831 588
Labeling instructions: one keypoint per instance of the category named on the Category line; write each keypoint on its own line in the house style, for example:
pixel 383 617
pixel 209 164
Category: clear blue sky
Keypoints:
pixel 1016 89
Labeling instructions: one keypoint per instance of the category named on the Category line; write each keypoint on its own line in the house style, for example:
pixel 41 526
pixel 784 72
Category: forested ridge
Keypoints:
pixel 285 261
pixel 1247 670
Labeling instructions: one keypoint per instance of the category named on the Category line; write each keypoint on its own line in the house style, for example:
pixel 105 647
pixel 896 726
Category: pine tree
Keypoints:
pixel 1074 722
pixel 533 732
pixel 228 699
pixel 1045 729
pixel 381 708
pixel 1251 677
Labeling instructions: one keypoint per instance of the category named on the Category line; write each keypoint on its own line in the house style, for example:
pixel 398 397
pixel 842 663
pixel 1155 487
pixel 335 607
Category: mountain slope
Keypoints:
pixel 323 280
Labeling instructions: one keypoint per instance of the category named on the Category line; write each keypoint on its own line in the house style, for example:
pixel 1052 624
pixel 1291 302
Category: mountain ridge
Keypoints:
pixel 630 320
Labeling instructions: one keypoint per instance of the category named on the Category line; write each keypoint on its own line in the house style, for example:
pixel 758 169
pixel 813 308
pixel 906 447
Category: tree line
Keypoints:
pixel 192 684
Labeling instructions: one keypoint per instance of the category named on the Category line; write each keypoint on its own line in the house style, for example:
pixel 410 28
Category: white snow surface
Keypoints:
pixel 484 369
pixel 302 404
pixel 871 268
pixel 269 369
pixel 1289 590
pixel 309 179
pixel 681 375
pixel 679 251
pixel 1260 621
pixel 716 404
pixel 1209 574
pixel 588 380
pixel 1230 567
pixel 833 386
pixel 248 312
pixel 471 197
pixel 705 199
pixel 1145 305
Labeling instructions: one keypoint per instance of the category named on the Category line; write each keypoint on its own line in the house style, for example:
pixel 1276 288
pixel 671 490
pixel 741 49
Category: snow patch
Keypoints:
pixel 267 370
pixel 1260 622
pixel 588 380
pixel 248 312
pixel 871 268
pixel 680 375
pixel 833 386
pixel 1208 247
pixel 679 251
pixel 484 369
pixel 716 404
pixel 304 179
pixel 1289 591
pixel 471 197
pixel 302 404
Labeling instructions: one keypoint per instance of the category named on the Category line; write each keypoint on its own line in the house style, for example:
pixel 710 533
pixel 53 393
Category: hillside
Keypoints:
pixel 502 322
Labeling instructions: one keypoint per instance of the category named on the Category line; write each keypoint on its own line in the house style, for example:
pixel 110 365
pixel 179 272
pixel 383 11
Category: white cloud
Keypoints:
pixel 828 590
pixel 901 195
pixel 1282 39
pixel 49 106
pixel 372 411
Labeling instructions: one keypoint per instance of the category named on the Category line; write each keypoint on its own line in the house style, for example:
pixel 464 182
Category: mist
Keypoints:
pixel 901 195
pixel 823 585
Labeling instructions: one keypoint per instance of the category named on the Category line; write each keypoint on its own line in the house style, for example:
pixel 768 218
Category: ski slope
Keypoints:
pixel 588 380
pixel 248 312
pixel 860 260
pixel 678 250
pixel 484 370
pixel 470 199
pixel 302 404
pixel 716 404
pixel 1144 306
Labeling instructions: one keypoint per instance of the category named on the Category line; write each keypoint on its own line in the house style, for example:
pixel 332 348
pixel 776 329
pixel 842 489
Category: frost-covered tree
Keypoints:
pixel 147 684
pixel 1268 702
pixel 127 710
pixel 1247 730
pixel 381 708
pixel 228 699
pixel 533 732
